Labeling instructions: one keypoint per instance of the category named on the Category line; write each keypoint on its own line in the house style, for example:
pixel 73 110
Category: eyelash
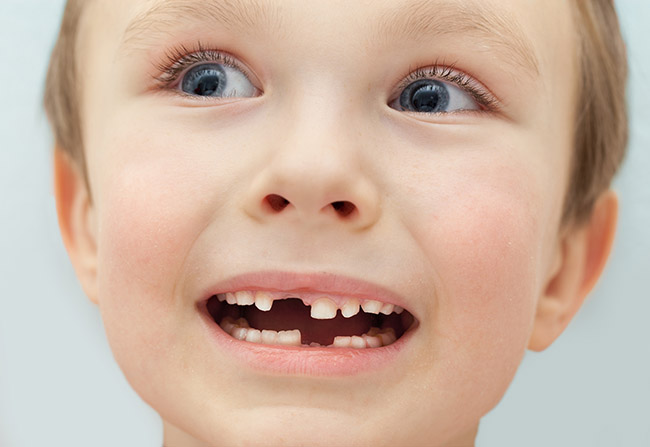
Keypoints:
pixel 448 73
pixel 179 59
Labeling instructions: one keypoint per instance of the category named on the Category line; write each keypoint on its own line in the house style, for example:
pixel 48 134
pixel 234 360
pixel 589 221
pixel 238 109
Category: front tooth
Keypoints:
pixel 341 342
pixel 323 309
pixel 254 336
pixel 245 298
pixel 290 338
pixel 357 342
pixel 387 309
pixel 263 301
pixel 350 308
pixel 268 336
pixel 231 298
pixel 371 306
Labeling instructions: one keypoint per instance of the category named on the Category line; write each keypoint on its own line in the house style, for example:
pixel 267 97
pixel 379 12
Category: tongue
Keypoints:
pixel 292 314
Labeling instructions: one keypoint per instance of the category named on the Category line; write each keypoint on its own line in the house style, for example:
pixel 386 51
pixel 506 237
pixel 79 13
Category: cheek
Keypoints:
pixel 158 190
pixel 142 240
pixel 489 276
pixel 481 236
pixel 146 229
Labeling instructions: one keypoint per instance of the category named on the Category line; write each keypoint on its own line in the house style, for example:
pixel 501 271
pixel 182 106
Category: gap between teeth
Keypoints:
pixel 241 330
pixel 321 309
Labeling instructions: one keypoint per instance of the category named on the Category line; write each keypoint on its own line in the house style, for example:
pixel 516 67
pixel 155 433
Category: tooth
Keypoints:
pixel 399 310
pixel 268 336
pixel 357 342
pixel 350 308
pixel 341 342
pixel 254 336
pixel 323 309
pixel 242 322
pixel 239 333
pixel 227 324
pixel 373 331
pixel 371 306
pixel 221 297
pixel 387 336
pixel 244 298
pixel 263 301
pixel 290 338
pixel 387 309
pixel 372 341
pixel 230 298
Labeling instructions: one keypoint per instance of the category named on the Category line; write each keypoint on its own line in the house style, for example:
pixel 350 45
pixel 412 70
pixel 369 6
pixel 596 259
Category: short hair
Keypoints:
pixel 600 132
pixel 601 128
pixel 62 95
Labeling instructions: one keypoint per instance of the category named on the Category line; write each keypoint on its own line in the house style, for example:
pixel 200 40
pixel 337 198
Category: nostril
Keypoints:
pixel 344 208
pixel 276 202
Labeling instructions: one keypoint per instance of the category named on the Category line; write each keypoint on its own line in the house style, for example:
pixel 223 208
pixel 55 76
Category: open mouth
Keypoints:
pixel 309 320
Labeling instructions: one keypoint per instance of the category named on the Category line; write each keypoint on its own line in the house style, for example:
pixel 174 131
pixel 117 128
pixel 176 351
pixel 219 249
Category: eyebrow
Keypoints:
pixel 427 19
pixel 165 15
pixel 416 21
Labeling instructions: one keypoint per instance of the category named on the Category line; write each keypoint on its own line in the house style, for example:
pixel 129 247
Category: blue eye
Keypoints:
pixel 425 96
pixel 216 80
pixel 434 96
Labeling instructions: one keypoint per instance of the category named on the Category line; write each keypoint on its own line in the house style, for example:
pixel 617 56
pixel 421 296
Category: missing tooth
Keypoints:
pixel 291 314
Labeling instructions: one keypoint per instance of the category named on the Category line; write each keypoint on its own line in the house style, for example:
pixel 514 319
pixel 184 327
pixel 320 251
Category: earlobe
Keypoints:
pixel 76 220
pixel 580 259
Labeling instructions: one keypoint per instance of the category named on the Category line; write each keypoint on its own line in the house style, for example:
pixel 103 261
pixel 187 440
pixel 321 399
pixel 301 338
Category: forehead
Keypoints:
pixel 516 31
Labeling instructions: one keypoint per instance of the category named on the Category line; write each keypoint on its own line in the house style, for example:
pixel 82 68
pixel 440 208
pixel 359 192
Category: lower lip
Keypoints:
pixel 306 361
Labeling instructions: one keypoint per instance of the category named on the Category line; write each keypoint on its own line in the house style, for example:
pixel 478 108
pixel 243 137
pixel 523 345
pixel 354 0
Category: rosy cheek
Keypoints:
pixel 142 235
pixel 488 270
pixel 482 247
pixel 149 212
pixel 152 200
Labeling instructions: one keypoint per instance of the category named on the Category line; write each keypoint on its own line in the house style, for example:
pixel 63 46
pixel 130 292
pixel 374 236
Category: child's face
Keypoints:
pixel 442 195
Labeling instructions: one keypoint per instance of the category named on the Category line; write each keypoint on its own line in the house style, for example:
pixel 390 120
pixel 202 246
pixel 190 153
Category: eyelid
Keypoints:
pixel 180 59
pixel 448 73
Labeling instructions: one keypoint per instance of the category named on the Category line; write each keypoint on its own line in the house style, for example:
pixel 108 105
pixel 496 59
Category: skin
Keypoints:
pixel 458 213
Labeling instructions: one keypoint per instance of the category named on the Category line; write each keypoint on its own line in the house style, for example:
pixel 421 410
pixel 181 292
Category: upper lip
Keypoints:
pixel 325 283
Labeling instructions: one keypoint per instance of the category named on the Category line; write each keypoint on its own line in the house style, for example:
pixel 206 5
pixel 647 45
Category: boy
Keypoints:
pixel 334 223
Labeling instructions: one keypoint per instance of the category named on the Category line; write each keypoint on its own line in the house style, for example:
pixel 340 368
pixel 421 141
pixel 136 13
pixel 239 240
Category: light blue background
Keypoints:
pixel 59 385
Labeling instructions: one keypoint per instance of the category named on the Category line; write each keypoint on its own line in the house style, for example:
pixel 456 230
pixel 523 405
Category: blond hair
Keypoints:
pixel 601 128
pixel 62 93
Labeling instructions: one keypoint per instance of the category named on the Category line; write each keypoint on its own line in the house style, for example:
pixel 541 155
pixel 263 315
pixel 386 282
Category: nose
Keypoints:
pixel 314 175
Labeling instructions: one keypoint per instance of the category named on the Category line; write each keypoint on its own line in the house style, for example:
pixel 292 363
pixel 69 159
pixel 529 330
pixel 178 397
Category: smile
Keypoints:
pixel 309 320
pixel 315 324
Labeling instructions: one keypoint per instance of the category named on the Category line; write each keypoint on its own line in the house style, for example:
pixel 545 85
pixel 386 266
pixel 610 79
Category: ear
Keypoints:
pixel 580 259
pixel 76 220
